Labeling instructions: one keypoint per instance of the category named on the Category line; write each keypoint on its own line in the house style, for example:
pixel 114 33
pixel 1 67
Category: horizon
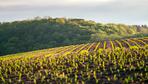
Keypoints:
pixel 130 12
pixel 46 17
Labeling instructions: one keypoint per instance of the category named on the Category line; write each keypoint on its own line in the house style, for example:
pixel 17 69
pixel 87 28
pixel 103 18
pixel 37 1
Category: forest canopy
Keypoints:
pixel 42 33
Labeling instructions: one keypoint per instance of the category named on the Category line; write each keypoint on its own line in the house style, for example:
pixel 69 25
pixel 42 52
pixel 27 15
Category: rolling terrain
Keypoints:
pixel 109 61
pixel 44 33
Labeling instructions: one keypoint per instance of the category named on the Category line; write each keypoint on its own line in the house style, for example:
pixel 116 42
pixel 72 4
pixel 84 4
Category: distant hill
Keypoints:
pixel 42 33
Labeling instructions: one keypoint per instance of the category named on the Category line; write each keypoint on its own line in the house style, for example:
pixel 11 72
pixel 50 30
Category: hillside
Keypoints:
pixel 43 33
pixel 113 61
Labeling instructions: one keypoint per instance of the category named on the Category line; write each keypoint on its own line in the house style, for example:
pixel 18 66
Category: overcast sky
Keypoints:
pixel 115 11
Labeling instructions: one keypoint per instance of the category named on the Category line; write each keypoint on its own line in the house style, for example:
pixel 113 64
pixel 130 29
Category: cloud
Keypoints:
pixel 49 2
pixel 122 11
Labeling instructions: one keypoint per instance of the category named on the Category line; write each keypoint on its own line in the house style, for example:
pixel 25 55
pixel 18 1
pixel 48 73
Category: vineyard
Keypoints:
pixel 110 61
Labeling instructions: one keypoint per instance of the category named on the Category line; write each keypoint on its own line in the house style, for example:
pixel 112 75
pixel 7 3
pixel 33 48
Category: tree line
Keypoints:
pixel 41 33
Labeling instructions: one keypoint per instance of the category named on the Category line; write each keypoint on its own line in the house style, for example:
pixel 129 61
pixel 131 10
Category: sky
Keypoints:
pixel 104 11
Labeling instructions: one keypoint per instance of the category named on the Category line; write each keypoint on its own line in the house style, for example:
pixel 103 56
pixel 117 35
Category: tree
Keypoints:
pixel 60 20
